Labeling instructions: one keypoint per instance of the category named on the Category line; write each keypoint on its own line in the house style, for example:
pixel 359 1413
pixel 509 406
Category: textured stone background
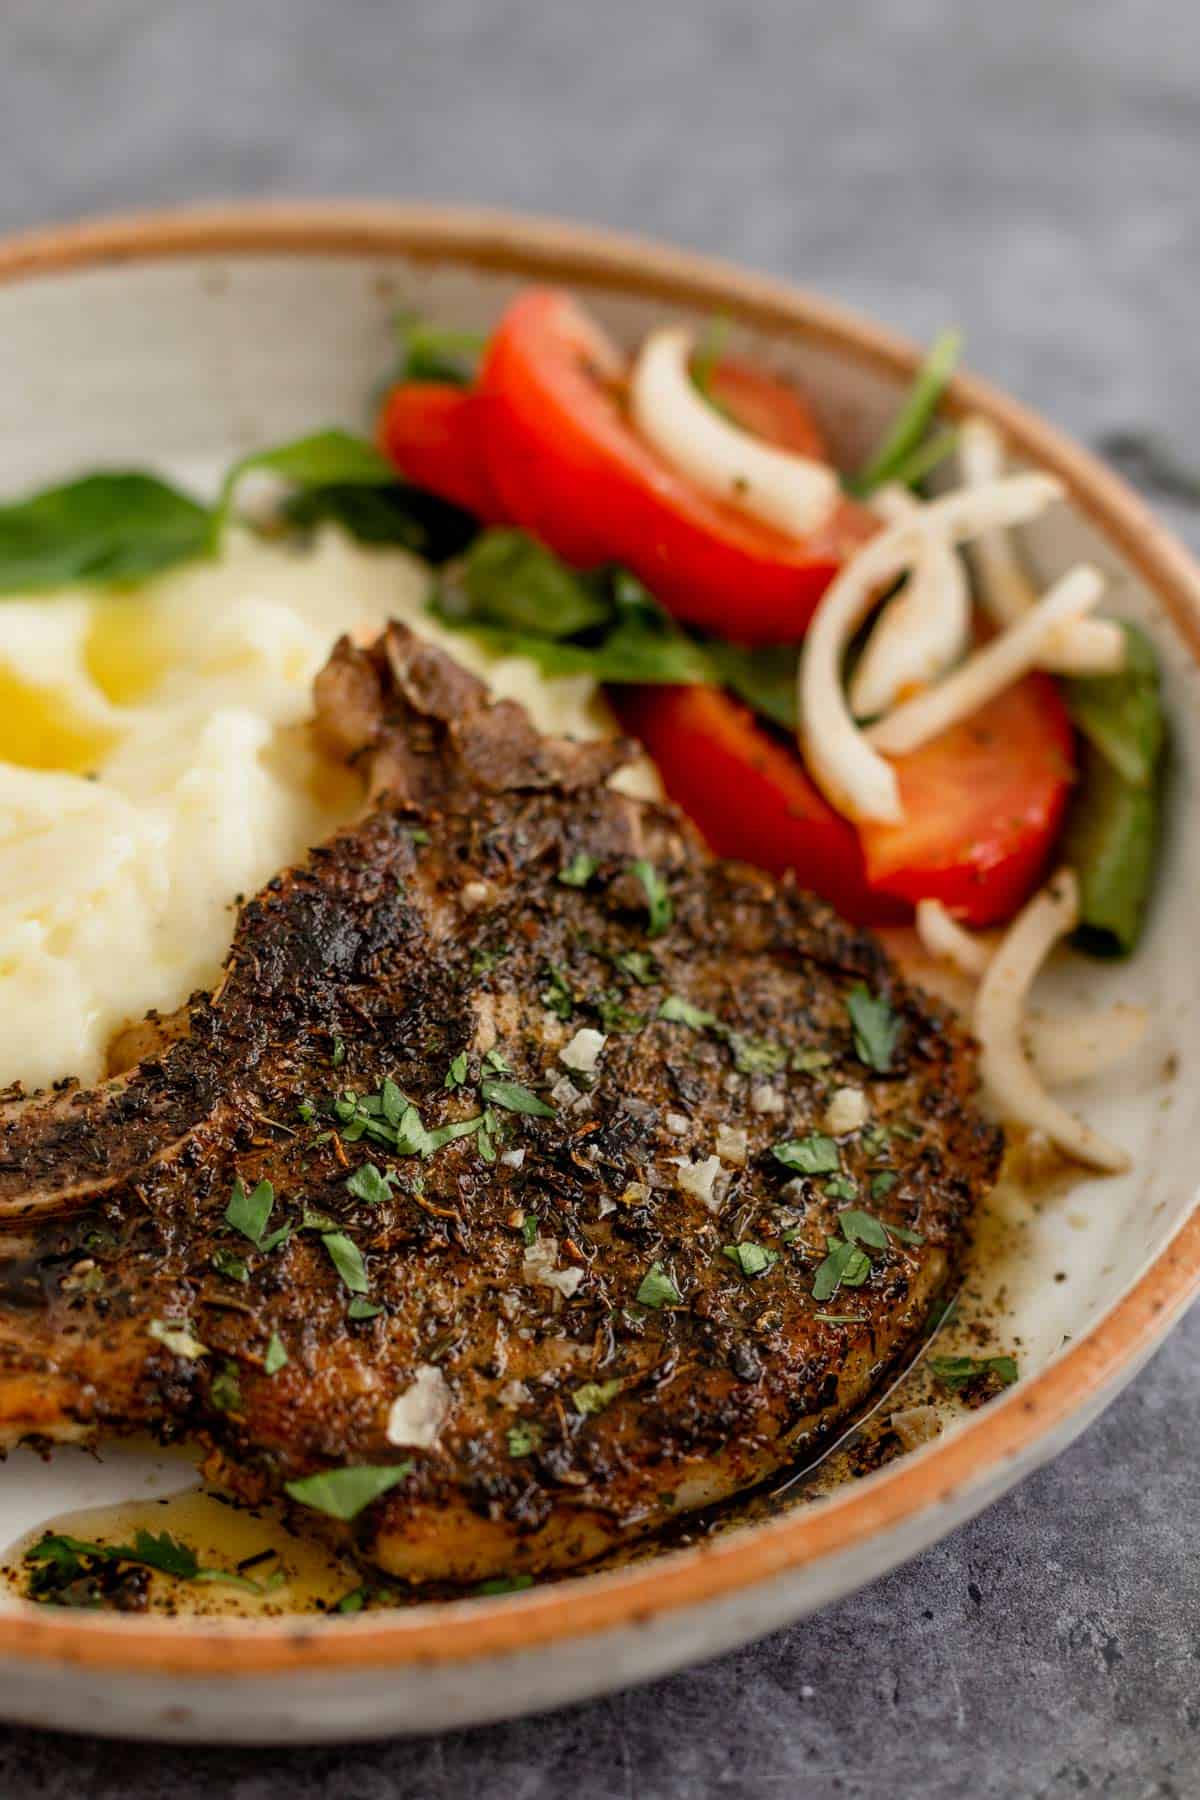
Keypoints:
pixel 1028 169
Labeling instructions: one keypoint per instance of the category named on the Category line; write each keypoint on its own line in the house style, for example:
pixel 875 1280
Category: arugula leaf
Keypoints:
pixel 594 1396
pixel 343 1493
pixel 956 1371
pixel 346 1258
pixel 315 461
pixel 876 1028
pixel 658 901
pixel 657 1290
pixel 276 1357
pixel 912 421
pixel 514 1097
pixel 370 1184
pixel 103 529
pixel 815 1154
pixel 751 1258
pixel 249 1212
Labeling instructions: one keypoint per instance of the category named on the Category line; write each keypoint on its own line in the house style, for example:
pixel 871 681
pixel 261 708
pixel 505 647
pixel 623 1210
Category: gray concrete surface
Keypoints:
pixel 1028 169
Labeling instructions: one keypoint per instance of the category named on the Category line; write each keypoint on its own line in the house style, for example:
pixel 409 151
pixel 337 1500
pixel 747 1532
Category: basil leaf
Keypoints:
pixel 318 460
pixel 876 1028
pixel 751 1258
pixel 106 528
pixel 830 1274
pixel 343 1493
pixel 863 1228
pixel 248 1213
pixel 815 1154
pixel 657 1289
pixel 370 1184
pixel 914 418
pixel 346 1258
pixel 514 1097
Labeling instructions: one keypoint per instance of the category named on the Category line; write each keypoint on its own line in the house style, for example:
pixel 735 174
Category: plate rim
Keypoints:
pixel 1004 1436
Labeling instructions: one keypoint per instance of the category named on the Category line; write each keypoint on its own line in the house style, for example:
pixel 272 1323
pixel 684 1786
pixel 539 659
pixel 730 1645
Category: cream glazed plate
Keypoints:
pixel 194 337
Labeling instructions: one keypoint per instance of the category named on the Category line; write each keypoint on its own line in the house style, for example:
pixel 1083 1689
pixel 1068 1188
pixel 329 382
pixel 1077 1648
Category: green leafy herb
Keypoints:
pixel 844 1266
pixel 344 1493
pixel 321 459
pixel 956 1371
pixel 883 1183
pixel 557 996
pixel 815 1154
pixel 892 461
pixel 427 526
pixel 637 966
pixel 229 1265
pixel 346 1258
pixel 249 1212
pixel 658 900
pixel 841 1187
pixel 579 871
pixel 226 1390
pixel 678 1011
pixel 615 1014
pixel 456 1074
pixel 484 961
pixel 657 1290
pixel 751 1258
pixel 863 1228
pixel 312 1219
pixel 524 1438
pixel 363 1309
pixel 808 1062
pixel 370 1184
pixel 436 352
pixel 514 1097
pixel 511 580
pixel 594 1396
pixel 352 1602
pixel 529 1228
pixel 765 678
pixel 101 530
pixel 876 1028
pixel 276 1357
pixel 67 1570
pixel 505 1584
pixel 757 1056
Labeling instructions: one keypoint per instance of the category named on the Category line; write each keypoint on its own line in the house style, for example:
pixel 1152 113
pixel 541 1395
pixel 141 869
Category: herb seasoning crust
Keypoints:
pixel 492 1206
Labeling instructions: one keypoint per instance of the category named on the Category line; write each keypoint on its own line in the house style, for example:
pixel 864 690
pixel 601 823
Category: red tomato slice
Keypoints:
pixel 768 407
pixel 565 463
pixel 749 795
pixel 983 806
pixel 431 431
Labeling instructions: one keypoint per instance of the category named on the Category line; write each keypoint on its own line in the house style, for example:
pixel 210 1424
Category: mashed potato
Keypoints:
pixel 155 764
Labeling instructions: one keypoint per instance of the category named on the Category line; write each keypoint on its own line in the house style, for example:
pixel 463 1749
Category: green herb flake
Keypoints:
pixel 841 1187
pixel 484 961
pixel 675 1010
pixel 344 1493
pixel 809 1062
pixel 370 1184
pixel 514 1098
pixel 955 1372
pixel 505 1584
pixel 529 1229
pixel 249 1212
pixel 232 1267
pixel 751 1258
pixel 339 1054
pixel 660 912
pixel 883 1183
pixel 876 1028
pixel 363 1309
pixel 595 1396
pixel 844 1266
pixel 456 1074
pixel 815 1154
pixel 557 996
pixel 757 1056
pixel 657 1290
pixel 579 871
pixel 863 1228
pixel 346 1258
pixel 839 1318
pixel 638 966
pixel 226 1390
pixel 524 1438
pixel 276 1357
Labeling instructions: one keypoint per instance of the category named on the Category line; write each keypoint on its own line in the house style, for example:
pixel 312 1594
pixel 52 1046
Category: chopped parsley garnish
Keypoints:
pixel 276 1357
pixel 845 1266
pixel 557 996
pixel 505 1584
pixel 807 1062
pixel 579 871
pixel 657 1289
pixel 956 1371
pixel 363 1309
pixel 249 1212
pixel 484 961
pixel 529 1228
pixel 757 1056
pixel 226 1390
pixel 594 1396
pixel 524 1438
pixel 456 1074
pixel 229 1265
pixel 658 901
pixel 67 1570
pixel 339 1054
pixel 417 836
pixel 343 1493
pixel 883 1183
pixel 751 1258
pixel 514 1097
pixel 614 1014
pixel 815 1154
pixel 678 1011
pixel 863 1228
pixel 638 966
pixel 346 1258
pixel 841 1187
pixel 370 1184
pixel 876 1028
pixel 390 1118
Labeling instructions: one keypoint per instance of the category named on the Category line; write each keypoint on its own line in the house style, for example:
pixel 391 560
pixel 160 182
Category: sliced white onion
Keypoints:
pixel 794 493
pixel 1076 1046
pixel 942 935
pixel 1088 647
pixel 924 630
pixel 852 775
pixel 999 1022
pixel 990 670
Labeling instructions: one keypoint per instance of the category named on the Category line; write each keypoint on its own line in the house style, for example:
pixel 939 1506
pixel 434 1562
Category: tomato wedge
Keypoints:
pixel 983 806
pixel 431 430
pixel 749 795
pixel 565 463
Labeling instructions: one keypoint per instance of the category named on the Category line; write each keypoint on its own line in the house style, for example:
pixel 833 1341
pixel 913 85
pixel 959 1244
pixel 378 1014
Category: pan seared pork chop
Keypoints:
pixel 569 1132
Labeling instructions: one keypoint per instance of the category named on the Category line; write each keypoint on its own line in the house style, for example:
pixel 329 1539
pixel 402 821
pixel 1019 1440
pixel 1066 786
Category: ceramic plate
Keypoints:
pixel 180 340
